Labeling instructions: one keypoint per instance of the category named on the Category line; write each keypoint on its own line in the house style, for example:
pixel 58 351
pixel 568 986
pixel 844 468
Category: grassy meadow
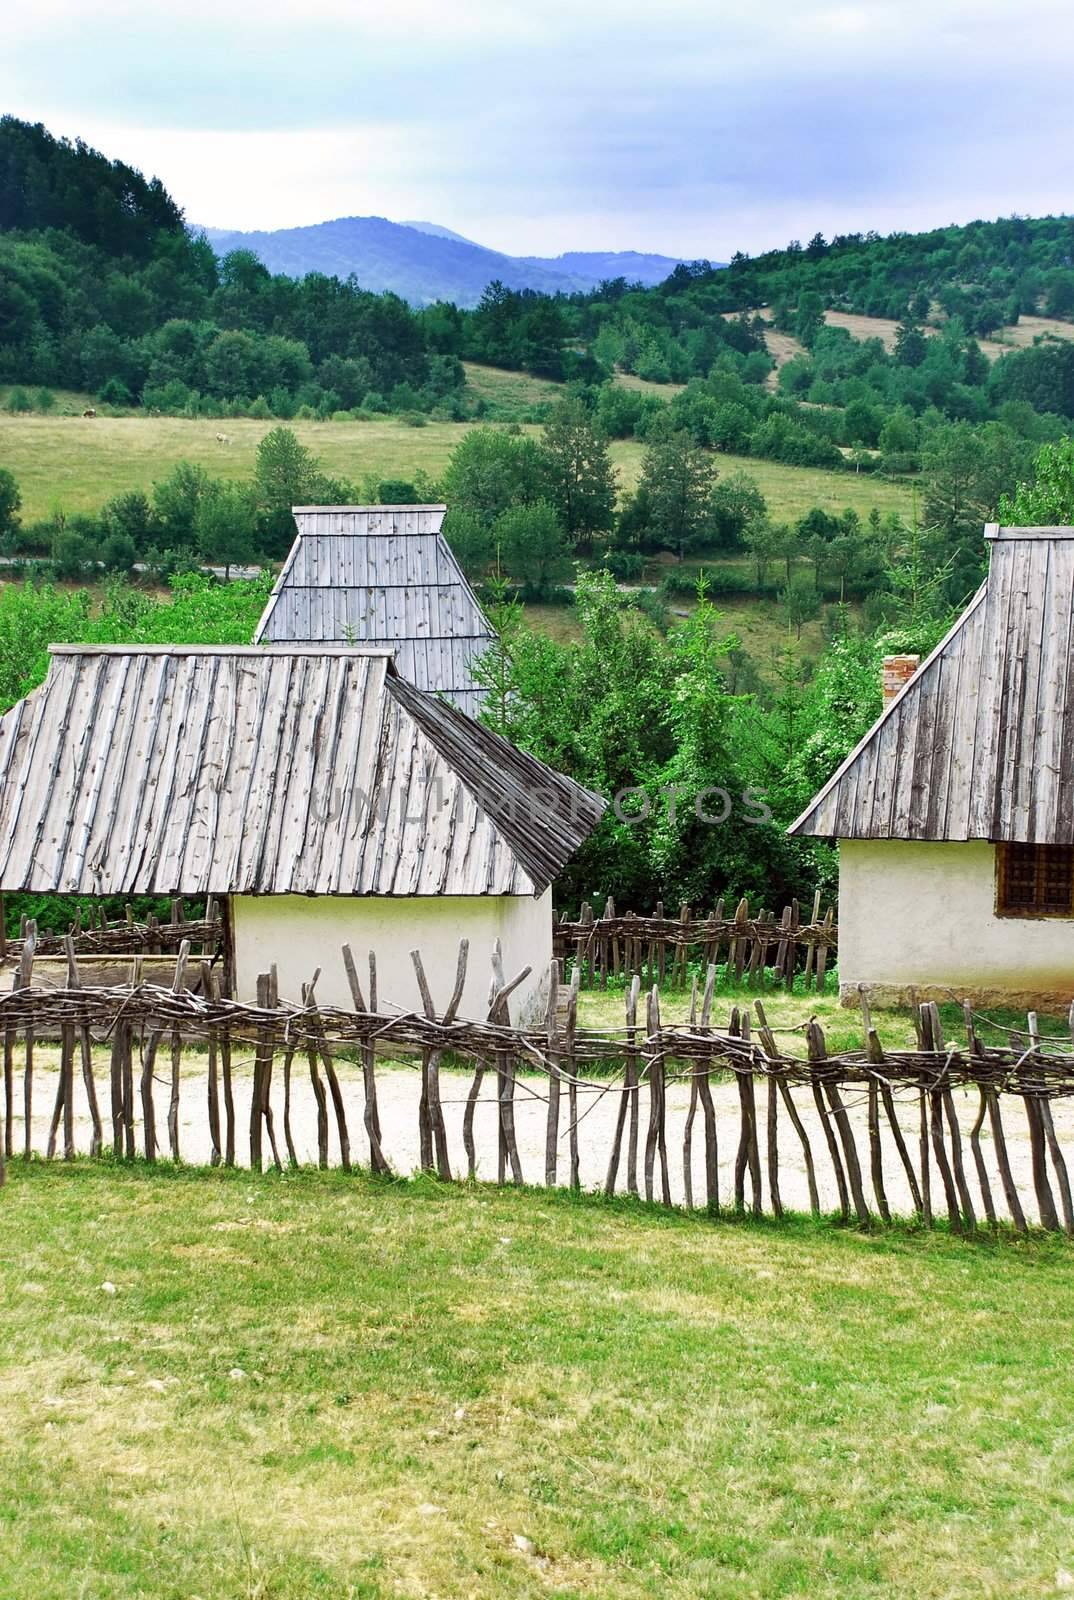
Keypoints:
pixel 314 1385
pixel 75 463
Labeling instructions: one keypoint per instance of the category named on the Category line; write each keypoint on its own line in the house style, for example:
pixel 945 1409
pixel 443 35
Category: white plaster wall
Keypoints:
pixel 303 932
pixel 923 914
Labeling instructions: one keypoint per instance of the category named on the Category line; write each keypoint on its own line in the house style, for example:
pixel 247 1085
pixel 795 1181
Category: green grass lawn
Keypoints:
pixel 315 1385
pixel 76 463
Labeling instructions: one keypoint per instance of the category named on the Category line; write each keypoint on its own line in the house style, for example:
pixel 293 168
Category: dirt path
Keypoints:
pixel 398 1093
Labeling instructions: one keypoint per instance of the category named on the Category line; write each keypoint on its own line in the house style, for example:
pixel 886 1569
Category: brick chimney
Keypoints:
pixel 897 670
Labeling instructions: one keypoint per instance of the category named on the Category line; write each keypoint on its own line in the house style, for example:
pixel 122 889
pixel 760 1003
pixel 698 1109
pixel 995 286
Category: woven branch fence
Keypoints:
pixel 568 1072
pixel 759 949
pixel 128 936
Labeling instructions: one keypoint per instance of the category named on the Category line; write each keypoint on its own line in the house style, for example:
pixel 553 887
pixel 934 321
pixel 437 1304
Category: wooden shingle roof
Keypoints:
pixel 316 770
pixel 382 575
pixel 980 742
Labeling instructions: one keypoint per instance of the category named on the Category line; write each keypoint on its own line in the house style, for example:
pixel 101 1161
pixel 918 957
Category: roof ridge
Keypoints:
pixel 369 510
pixel 522 777
pixel 260 651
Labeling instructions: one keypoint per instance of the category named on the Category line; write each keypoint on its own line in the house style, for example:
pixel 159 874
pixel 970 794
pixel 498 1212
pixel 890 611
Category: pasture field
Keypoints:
pixel 76 464
pixel 506 390
pixel 316 1385
pixel 663 391
pixel 790 491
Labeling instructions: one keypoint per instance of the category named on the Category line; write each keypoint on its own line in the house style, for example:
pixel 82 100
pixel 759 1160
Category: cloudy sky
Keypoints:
pixel 695 127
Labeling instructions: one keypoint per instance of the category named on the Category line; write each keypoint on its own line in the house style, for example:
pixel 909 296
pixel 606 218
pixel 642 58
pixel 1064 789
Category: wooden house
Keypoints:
pixel 312 789
pixel 382 575
pixel 955 814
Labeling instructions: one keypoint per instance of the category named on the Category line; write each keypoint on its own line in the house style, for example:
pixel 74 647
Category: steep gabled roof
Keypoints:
pixel 316 770
pixel 980 742
pixel 382 575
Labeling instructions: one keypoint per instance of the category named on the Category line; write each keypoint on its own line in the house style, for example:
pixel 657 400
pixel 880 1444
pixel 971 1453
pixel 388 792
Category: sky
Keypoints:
pixel 690 127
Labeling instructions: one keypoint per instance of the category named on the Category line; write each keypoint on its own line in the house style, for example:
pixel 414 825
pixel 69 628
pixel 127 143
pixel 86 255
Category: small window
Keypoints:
pixel 1035 880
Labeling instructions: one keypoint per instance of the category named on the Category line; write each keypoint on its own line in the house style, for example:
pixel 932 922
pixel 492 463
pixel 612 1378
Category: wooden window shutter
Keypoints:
pixel 1035 880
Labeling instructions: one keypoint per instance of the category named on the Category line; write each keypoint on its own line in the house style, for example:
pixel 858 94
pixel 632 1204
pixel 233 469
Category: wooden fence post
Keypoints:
pixel 212 1087
pixel 1061 1175
pixel 505 1070
pixel 23 980
pixel 771 1049
pixel 708 1110
pixel 319 1045
pixel 569 1031
pixel 656 1137
pixel 691 1113
pixel 875 1055
pixel 551 1137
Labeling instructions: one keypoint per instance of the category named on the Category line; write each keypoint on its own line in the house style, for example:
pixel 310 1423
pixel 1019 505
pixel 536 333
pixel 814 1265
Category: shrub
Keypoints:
pixel 282 402
pixel 397 492
pixel 73 553
pixel 679 585
pixel 259 408
pixel 114 392
pixel 162 565
pixel 18 400
pixel 118 553
pixel 35 538
pixel 623 564
pixel 170 398
pixel 649 603
pixel 10 502
pixel 544 594
pixel 45 400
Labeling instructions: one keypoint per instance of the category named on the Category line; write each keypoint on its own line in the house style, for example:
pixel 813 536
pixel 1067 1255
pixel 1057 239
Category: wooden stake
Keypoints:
pixel 551 1029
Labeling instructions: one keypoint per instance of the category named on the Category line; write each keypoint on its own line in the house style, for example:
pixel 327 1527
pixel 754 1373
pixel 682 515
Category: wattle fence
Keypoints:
pixel 758 949
pixel 129 935
pixel 649 1109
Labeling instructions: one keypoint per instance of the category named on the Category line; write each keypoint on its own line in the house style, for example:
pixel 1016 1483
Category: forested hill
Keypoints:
pixel 102 288
pixel 988 273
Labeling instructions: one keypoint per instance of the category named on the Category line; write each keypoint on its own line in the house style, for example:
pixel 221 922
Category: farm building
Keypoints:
pixel 955 814
pixel 312 789
pixel 382 575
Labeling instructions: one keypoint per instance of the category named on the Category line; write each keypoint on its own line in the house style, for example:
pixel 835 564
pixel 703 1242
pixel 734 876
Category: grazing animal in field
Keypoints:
pixel 223 438
pixel 89 412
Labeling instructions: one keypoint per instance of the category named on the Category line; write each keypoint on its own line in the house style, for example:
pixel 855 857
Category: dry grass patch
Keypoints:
pixel 1027 330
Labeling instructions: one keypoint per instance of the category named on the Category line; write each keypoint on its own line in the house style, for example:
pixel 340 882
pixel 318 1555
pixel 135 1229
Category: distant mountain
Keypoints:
pixel 437 231
pixel 423 262
pixel 597 265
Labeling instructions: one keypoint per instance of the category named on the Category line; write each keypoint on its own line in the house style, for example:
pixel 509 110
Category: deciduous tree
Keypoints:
pixel 580 476
pixel 677 479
